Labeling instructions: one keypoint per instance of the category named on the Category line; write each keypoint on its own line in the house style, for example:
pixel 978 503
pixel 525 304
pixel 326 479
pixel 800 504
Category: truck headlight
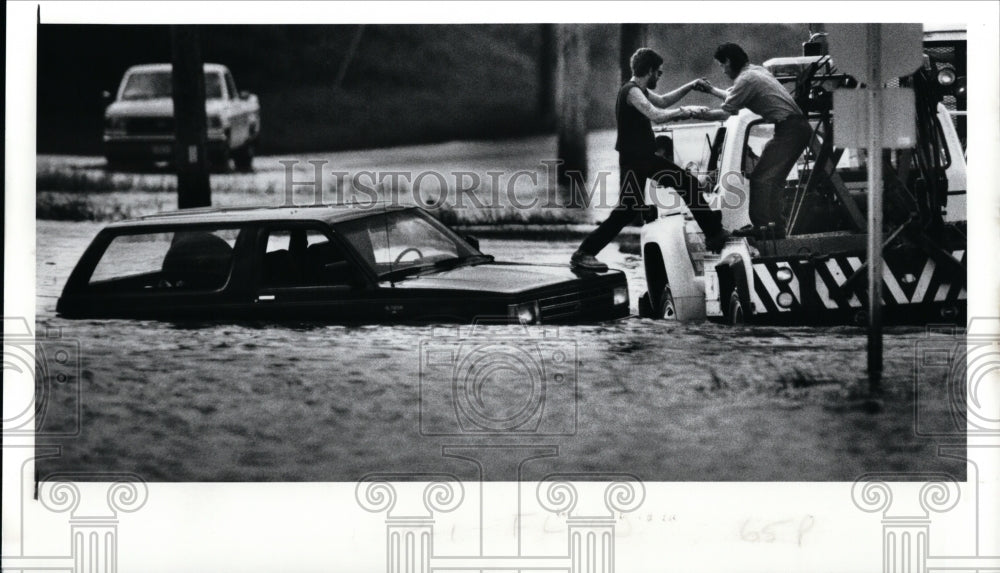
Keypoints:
pixel 946 75
pixel 525 312
pixel 114 123
pixel 214 122
pixel 620 296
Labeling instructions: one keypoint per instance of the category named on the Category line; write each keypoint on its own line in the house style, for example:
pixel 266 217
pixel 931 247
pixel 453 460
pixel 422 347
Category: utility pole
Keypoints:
pixel 188 77
pixel 633 37
pixel 571 101
pixel 546 71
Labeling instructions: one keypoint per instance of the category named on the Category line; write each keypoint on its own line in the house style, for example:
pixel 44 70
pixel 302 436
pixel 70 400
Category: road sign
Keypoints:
pixel 901 50
pixel 899 118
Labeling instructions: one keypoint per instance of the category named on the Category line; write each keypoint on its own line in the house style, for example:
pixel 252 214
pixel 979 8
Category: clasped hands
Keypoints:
pixel 696 111
pixel 702 85
pixel 692 111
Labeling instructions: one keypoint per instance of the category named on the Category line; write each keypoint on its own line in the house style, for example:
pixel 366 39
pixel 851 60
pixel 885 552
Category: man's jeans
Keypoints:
pixel 631 200
pixel 767 182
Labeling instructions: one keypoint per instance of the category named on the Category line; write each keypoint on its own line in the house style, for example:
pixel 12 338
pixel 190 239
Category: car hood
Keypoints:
pixel 156 107
pixel 504 278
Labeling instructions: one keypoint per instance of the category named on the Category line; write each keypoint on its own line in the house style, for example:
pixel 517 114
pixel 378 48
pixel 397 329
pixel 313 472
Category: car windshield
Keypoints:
pixel 406 242
pixel 152 85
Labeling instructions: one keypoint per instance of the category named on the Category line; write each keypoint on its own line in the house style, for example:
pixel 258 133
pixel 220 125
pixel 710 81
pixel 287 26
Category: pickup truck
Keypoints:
pixel 139 123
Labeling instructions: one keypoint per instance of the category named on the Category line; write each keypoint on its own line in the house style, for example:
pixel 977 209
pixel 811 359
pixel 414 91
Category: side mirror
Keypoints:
pixel 106 96
pixel 244 95
pixel 472 241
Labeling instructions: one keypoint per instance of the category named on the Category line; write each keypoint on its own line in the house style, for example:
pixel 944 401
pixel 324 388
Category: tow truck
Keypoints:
pixel 816 274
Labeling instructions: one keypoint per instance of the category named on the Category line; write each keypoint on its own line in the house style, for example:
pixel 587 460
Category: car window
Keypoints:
pixel 152 85
pixel 304 257
pixel 402 239
pixel 181 260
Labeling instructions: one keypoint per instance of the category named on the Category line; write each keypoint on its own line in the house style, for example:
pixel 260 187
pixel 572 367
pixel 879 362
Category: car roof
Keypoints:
pixel 169 67
pixel 227 215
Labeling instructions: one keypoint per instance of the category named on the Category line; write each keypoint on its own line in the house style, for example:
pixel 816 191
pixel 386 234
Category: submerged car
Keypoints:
pixel 341 263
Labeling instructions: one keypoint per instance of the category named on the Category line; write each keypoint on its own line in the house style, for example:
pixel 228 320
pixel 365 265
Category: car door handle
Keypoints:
pixel 265 298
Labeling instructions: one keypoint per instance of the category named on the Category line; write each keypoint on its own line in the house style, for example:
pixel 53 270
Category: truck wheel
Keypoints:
pixel 735 316
pixel 737 310
pixel 243 158
pixel 645 307
pixel 667 310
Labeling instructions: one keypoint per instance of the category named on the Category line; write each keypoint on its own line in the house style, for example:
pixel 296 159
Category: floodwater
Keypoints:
pixel 316 402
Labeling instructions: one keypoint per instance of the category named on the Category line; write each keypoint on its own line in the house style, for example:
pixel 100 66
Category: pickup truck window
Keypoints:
pixel 153 85
pixel 852 165
pixel 189 260
pixel 231 87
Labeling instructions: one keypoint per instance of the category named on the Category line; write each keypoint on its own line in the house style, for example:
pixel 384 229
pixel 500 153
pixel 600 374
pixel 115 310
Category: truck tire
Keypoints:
pixel 646 307
pixel 736 310
pixel 735 314
pixel 243 158
pixel 666 309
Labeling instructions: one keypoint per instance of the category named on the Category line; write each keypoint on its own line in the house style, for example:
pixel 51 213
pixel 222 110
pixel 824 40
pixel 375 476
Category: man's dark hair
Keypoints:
pixel 644 60
pixel 732 52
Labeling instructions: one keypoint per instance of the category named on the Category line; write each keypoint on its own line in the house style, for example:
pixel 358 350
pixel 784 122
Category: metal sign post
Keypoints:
pixel 875 118
pixel 874 33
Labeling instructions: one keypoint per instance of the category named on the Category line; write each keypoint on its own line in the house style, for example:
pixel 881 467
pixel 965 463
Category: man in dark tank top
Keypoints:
pixel 636 107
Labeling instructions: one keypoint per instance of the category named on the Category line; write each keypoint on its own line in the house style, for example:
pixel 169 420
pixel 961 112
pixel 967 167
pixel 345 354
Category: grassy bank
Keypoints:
pixel 71 195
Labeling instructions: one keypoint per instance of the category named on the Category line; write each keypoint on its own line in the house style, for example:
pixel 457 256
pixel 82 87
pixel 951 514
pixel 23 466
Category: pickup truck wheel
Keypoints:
pixel 736 310
pixel 736 317
pixel 667 310
pixel 243 158
pixel 219 162
pixel 645 307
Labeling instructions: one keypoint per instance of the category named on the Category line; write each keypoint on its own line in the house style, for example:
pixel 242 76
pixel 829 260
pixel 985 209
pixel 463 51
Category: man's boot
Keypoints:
pixel 583 261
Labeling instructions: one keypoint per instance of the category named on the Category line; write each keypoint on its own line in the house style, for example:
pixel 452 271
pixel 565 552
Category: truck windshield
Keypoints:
pixel 153 85
pixel 400 240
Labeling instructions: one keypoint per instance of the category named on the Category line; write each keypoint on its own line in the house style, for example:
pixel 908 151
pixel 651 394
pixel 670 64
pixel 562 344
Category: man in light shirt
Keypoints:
pixel 756 89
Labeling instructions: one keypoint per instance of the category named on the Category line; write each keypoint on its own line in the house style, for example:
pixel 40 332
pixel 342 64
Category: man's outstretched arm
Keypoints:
pixel 714 115
pixel 670 98
pixel 718 92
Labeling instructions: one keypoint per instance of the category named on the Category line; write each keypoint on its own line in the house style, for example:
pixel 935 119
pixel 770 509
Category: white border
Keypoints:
pixel 253 527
